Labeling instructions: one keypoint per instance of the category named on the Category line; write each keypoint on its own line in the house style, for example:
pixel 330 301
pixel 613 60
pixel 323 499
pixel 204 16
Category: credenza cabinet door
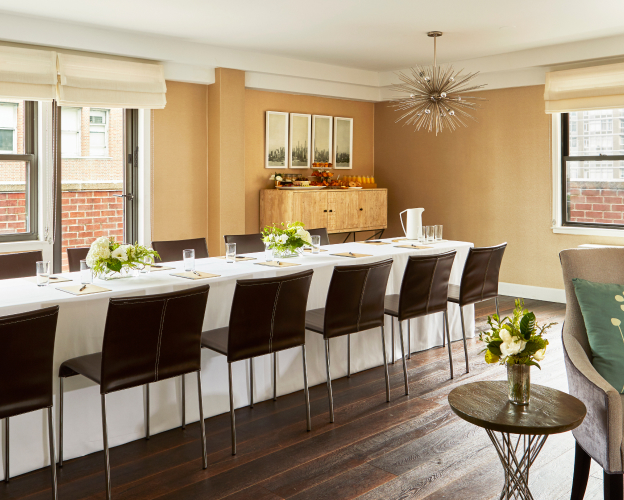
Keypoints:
pixel 343 210
pixel 373 208
pixel 310 208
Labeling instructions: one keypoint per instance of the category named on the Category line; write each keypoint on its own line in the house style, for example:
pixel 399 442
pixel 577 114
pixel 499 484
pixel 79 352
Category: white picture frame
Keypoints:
pixel 322 138
pixel 343 143
pixel 300 134
pixel 276 140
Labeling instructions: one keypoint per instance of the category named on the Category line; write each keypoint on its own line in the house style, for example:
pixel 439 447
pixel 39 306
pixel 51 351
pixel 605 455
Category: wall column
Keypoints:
pixel 226 157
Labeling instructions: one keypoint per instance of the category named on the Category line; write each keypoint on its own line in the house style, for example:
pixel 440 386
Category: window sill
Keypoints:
pixel 589 231
pixel 86 157
pixel 22 246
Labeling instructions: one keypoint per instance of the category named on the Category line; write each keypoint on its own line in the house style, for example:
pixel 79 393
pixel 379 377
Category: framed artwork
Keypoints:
pixel 343 142
pixel 276 140
pixel 322 128
pixel 300 132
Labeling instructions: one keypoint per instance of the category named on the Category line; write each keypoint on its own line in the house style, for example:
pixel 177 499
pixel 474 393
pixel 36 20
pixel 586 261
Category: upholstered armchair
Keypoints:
pixel 600 435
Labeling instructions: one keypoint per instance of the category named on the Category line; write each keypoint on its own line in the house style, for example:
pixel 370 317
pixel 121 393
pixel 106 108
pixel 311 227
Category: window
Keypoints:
pixel 70 132
pixel 592 169
pixel 18 171
pixel 98 132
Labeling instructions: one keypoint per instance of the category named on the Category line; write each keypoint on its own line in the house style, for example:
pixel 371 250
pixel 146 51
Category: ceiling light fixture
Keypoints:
pixel 436 96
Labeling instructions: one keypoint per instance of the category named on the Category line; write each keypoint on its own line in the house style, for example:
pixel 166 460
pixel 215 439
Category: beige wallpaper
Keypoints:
pixel 488 183
pixel 180 164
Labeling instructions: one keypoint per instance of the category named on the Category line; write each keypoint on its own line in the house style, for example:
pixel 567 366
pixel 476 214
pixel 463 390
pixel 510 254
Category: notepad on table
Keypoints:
pixel 83 289
pixel 240 258
pixel 417 247
pixel 277 263
pixel 53 279
pixel 352 255
pixel 197 275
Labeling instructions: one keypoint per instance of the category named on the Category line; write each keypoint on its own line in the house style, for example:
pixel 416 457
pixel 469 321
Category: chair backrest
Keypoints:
pixel 602 265
pixel 424 289
pixel 246 243
pixel 151 338
pixel 171 251
pixel 480 276
pixel 322 232
pixel 19 265
pixel 74 256
pixel 26 354
pixel 355 300
pixel 268 315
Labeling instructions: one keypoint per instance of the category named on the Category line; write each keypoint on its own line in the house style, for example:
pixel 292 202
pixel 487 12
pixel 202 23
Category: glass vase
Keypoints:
pixel 519 383
pixel 126 272
pixel 287 253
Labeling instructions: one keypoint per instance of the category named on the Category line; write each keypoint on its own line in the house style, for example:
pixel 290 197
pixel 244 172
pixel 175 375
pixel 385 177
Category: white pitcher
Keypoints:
pixel 414 223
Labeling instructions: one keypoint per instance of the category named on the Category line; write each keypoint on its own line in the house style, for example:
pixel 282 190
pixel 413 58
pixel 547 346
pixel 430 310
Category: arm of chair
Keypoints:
pixel 600 434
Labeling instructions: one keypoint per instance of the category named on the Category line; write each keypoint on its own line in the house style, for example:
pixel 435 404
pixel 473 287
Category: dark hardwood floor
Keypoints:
pixel 413 447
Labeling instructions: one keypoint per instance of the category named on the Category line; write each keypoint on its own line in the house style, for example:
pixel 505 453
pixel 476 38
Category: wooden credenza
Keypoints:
pixel 339 210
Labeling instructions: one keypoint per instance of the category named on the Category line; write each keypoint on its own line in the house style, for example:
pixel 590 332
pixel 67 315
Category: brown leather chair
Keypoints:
pixel 424 291
pixel 267 316
pixel 165 331
pixel 74 256
pixel 19 265
pixel 322 232
pixel 355 302
pixel 26 353
pixel 479 282
pixel 171 251
pixel 246 243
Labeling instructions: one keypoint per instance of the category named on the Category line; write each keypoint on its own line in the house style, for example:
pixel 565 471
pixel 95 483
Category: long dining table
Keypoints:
pixel 81 327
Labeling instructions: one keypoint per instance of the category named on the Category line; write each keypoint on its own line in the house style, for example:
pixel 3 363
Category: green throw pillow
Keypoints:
pixel 602 306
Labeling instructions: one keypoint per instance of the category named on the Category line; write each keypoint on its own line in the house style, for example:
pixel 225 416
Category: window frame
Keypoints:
pixel 30 155
pixel 565 157
pixel 14 128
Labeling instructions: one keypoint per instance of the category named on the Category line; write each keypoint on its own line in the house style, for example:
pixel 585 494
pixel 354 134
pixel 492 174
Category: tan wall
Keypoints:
pixel 258 102
pixel 488 183
pixel 180 164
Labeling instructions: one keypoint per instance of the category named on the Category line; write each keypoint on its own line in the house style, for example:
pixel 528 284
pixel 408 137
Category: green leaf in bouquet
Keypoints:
pixel 527 325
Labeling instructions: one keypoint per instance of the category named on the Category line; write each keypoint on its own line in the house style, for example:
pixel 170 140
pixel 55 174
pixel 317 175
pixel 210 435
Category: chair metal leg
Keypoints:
pixel 6 450
pixel 61 422
pixel 403 357
pixel 445 326
pixel 329 387
pixel 183 401
pixel 201 421
pixel 106 452
pixel 52 452
pixel 251 382
pixel 409 339
pixel 147 412
pixel 385 357
pixel 443 337
pixel 582 464
pixel 305 388
pixel 496 302
pixel 274 376
pixel 392 340
pixel 461 316
pixel 349 356
pixel 232 418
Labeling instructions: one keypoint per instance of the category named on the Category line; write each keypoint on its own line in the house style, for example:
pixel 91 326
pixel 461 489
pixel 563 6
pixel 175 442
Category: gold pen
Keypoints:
pixel 82 288
pixel 196 273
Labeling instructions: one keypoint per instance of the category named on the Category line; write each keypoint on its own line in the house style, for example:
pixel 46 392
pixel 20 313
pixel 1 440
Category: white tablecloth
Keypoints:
pixel 81 327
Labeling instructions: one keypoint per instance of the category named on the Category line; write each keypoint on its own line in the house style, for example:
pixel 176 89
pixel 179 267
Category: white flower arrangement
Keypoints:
pixel 106 256
pixel 287 238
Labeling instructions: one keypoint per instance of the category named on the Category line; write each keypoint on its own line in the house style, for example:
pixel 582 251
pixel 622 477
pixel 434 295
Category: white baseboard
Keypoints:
pixel 532 292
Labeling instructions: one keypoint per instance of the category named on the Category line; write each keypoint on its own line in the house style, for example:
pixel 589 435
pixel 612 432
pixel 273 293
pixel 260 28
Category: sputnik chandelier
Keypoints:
pixel 436 95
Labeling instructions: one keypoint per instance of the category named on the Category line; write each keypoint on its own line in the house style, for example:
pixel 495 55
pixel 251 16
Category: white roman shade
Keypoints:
pixel 95 82
pixel 583 89
pixel 27 74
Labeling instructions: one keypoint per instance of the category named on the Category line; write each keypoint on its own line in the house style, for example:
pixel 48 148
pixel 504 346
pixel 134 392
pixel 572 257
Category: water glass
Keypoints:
pixel 268 252
pixel 230 253
pixel 429 234
pixel 316 243
pixel 86 276
pixel 189 259
pixel 43 273
pixel 421 234
pixel 147 264
pixel 438 232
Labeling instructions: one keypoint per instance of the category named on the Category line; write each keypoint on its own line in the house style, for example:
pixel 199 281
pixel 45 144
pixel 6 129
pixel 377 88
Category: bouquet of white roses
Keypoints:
pixel 515 340
pixel 287 237
pixel 106 256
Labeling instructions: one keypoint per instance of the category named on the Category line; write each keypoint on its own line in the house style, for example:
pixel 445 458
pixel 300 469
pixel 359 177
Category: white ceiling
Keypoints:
pixel 375 35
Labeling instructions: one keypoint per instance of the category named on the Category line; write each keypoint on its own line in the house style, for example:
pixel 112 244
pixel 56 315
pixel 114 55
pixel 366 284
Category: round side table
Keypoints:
pixel 550 411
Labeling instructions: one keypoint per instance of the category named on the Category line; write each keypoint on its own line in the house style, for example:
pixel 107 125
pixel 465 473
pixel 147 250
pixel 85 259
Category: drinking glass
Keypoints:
pixel 147 264
pixel 429 234
pixel 43 273
pixel 230 253
pixel 86 277
pixel 268 252
pixel 316 243
pixel 421 234
pixel 438 232
pixel 189 259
